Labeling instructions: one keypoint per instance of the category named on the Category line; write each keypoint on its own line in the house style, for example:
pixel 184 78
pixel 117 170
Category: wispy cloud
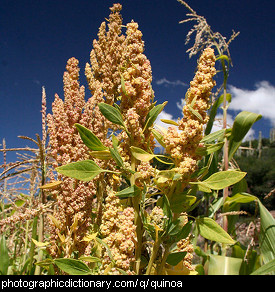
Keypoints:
pixel 260 101
pixel 166 82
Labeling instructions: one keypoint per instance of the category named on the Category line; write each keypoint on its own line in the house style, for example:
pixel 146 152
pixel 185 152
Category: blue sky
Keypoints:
pixel 38 37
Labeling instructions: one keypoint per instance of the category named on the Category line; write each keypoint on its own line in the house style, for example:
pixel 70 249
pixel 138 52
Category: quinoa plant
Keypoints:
pixel 109 203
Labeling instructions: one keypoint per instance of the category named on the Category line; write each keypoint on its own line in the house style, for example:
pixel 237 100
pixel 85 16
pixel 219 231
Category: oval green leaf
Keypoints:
pixel 242 123
pixel 153 114
pixel 174 258
pixel 72 266
pixel 84 170
pixel 111 113
pixel 221 180
pixel 211 230
pixel 90 139
pixel 129 192
pixel 141 154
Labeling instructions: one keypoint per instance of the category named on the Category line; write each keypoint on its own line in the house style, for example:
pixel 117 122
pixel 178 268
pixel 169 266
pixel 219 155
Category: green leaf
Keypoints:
pixel 222 265
pixel 221 180
pixel 153 114
pixel 159 137
pixel 211 230
pixel 131 191
pixel 178 230
pixel 4 256
pixel 103 155
pixel 72 266
pixel 111 113
pixel 164 204
pixel 40 244
pixel 174 258
pixel 213 136
pixel 90 139
pixel 123 84
pixel 141 154
pixel 170 122
pixel 224 58
pixel 181 202
pixel 90 259
pixel 242 123
pixel 213 112
pixel 209 148
pixel 195 113
pixel 267 234
pixel 51 185
pixel 239 198
pixel 116 156
pixel 84 170
pixel 265 269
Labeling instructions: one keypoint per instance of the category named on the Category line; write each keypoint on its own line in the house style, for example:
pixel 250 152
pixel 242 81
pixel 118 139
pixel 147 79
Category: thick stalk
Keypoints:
pixel 153 256
pixel 138 222
pixel 43 201
pixel 163 261
pixel 225 147
pixel 34 230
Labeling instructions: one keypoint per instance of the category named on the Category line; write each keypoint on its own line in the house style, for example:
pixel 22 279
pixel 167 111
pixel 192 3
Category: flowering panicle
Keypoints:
pixel 118 230
pixel 75 198
pixel 136 94
pixel 182 145
pixel 106 56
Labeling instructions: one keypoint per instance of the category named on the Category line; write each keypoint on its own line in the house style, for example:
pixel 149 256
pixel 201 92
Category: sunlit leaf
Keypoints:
pixel 90 139
pixel 223 265
pixel 211 230
pixel 84 170
pixel 129 192
pixel 40 244
pixel 267 234
pixel 90 259
pixel 213 112
pixel 111 113
pixel 90 237
pixel 153 114
pixel 4 256
pixel 209 148
pixel 55 221
pixel 221 180
pixel 72 266
pixel 141 154
pixel 159 137
pixel 104 155
pixel 265 269
pixel 52 185
pixel 242 124
pixel 169 122
pixel 116 156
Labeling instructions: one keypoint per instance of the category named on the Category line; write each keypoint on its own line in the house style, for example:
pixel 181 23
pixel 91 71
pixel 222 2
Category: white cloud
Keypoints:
pixel 260 101
pixel 166 82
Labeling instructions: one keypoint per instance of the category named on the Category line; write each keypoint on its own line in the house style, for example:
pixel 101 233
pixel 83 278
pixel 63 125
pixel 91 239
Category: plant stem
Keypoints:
pixel 43 201
pixel 153 256
pixel 138 221
pixel 164 258
pixel 225 147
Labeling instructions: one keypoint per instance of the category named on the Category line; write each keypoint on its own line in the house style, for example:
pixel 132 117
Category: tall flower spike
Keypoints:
pixel 182 145
pixel 118 230
pixel 106 56
pixel 136 93
pixel 74 200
